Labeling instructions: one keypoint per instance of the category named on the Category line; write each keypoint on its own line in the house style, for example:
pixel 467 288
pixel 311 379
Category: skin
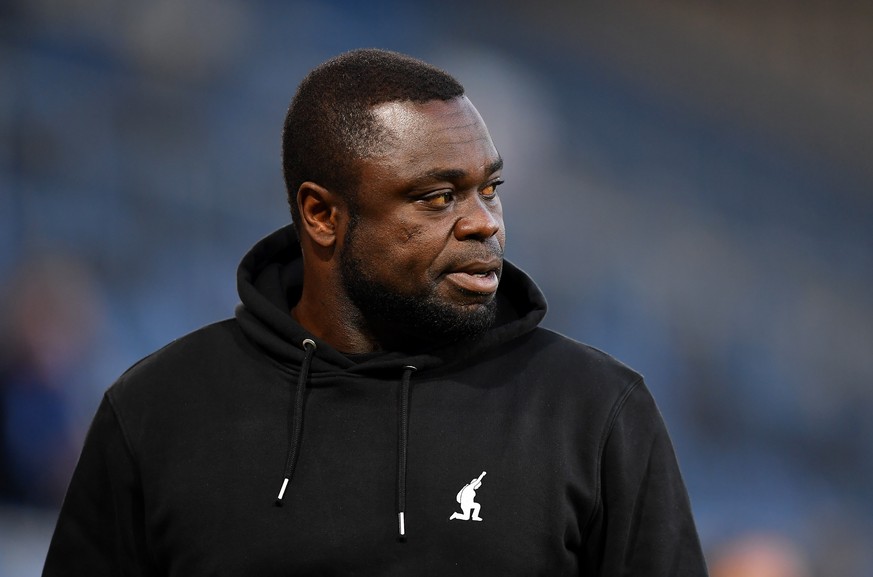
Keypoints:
pixel 429 223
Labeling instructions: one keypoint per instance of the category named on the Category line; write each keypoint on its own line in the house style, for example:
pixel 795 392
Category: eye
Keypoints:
pixel 490 191
pixel 438 199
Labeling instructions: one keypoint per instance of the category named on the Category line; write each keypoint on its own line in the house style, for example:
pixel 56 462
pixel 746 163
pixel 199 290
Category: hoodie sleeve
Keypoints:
pixel 643 525
pixel 100 530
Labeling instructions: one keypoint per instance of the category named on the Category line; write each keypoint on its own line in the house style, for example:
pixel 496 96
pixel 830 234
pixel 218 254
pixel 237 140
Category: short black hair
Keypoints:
pixel 330 123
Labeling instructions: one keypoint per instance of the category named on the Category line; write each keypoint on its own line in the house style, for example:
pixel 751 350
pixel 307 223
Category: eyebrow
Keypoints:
pixel 457 173
pixel 496 165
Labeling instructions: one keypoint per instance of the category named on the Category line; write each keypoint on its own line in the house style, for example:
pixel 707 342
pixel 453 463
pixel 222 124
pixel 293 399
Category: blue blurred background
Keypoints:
pixel 690 183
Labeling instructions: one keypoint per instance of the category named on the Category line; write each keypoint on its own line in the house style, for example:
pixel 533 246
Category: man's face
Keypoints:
pixel 423 252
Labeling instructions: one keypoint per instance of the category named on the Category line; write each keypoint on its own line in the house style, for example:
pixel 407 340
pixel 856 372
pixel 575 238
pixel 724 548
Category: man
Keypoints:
pixel 383 354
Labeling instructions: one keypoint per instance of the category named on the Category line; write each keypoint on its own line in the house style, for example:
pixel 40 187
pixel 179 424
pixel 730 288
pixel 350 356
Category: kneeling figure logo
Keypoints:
pixel 469 507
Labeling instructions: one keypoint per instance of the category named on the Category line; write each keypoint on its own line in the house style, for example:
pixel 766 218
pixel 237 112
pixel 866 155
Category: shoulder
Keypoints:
pixel 566 358
pixel 190 386
pixel 184 366
pixel 552 370
pixel 598 385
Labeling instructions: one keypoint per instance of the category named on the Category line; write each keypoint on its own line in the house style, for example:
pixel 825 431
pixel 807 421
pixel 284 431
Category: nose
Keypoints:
pixel 480 219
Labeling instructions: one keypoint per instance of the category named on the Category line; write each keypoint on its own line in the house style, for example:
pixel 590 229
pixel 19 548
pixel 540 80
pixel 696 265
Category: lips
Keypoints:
pixel 479 277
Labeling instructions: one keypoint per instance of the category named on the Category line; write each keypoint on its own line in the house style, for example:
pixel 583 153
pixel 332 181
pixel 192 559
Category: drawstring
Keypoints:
pixel 402 449
pixel 296 416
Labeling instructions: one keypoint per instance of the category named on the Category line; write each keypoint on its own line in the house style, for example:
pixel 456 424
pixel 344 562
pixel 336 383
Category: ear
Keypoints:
pixel 318 213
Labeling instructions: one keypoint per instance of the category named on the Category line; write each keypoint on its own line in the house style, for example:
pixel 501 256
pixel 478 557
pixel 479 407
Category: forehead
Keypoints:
pixel 435 134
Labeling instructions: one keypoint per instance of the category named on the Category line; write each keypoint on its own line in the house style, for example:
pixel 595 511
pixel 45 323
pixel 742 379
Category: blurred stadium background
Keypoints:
pixel 691 183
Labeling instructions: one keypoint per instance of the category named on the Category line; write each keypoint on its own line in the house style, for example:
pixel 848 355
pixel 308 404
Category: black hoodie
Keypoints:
pixel 522 453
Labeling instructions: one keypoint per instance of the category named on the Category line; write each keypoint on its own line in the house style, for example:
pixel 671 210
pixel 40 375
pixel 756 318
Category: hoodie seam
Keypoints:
pixel 292 368
pixel 128 444
pixel 616 410
pixel 135 461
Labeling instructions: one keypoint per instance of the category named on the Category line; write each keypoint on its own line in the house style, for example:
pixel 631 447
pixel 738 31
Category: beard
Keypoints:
pixel 403 321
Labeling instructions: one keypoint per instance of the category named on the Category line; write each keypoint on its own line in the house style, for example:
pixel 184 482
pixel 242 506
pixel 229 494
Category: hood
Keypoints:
pixel 270 281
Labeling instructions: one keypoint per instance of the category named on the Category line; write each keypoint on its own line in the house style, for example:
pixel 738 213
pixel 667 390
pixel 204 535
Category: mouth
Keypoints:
pixel 477 278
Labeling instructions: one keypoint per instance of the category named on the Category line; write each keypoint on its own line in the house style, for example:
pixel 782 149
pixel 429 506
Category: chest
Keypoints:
pixel 494 484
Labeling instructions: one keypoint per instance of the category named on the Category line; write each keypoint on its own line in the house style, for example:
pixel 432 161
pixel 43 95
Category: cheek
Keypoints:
pixel 412 254
pixel 409 232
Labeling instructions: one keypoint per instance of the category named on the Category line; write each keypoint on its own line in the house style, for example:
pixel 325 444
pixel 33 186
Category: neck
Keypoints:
pixel 344 328
pixel 335 327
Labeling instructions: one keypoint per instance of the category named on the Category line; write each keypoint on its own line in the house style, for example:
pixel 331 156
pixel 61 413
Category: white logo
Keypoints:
pixel 465 497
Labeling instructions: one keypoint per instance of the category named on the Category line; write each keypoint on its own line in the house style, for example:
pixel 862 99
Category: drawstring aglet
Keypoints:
pixel 282 492
pixel 402 521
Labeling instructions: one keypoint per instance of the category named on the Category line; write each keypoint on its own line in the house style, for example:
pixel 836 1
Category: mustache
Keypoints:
pixel 484 251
